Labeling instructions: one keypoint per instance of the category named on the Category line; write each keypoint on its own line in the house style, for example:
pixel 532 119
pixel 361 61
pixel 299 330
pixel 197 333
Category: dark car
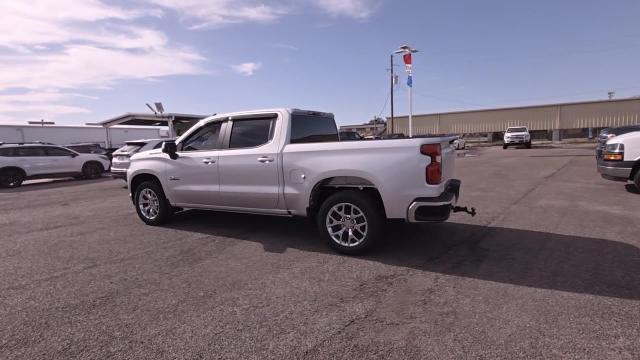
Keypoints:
pixel 349 135
pixel 608 133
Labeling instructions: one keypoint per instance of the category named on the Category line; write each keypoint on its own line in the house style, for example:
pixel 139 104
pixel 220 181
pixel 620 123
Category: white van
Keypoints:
pixel 621 158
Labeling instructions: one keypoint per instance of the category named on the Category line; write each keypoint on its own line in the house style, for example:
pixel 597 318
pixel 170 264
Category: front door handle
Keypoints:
pixel 208 161
pixel 265 159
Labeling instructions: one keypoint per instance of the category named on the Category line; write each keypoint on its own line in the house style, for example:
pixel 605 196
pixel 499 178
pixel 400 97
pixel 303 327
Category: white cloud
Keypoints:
pixel 211 13
pixel 247 69
pixel 358 9
pixel 49 46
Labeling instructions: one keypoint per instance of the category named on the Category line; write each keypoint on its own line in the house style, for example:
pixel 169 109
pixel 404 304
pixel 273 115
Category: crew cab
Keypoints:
pixel 290 162
pixel 621 158
pixel 517 135
pixel 24 161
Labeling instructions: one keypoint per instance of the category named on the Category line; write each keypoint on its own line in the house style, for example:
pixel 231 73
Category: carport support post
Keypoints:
pixel 556 136
pixel 171 129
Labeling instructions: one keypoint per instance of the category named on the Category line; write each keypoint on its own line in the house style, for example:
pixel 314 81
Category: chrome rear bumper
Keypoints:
pixel 436 209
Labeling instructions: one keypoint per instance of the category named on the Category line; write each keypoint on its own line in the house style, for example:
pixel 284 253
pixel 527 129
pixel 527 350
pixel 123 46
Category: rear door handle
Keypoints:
pixel 208 161
pixel 265 159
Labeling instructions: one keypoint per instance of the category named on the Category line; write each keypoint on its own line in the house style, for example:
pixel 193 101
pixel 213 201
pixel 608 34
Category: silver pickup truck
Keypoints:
pixel 290 162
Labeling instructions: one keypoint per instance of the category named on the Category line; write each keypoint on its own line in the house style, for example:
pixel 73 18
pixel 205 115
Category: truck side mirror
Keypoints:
pixel 169 147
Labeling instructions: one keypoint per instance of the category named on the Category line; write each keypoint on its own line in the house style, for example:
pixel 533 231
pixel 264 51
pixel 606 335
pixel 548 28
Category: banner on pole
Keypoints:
pixel 410 81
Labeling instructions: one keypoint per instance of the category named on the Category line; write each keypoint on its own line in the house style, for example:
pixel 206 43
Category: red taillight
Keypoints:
pixel 433 172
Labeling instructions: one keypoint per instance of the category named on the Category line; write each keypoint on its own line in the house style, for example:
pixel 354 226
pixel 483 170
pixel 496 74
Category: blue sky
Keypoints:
pixel 76 62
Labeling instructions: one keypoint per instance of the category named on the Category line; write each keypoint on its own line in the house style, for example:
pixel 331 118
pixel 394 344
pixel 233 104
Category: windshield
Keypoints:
pixel 517 130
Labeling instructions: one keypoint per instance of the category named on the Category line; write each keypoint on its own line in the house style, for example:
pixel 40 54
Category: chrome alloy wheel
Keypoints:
pixel 149 204
pixel 347 224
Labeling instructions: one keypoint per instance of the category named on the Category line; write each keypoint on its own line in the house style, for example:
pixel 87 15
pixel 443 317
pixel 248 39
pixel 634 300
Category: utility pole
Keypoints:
pixel 392 83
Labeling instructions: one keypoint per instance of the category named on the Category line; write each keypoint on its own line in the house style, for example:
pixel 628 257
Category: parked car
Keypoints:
pixel 517 135
pixel 621 158
pixel 459 143
pixel 89 148
pixel 394 136
pixel 609 133
pixel 290 162
pixel 20 162
pixel 349 136
pixel 122 156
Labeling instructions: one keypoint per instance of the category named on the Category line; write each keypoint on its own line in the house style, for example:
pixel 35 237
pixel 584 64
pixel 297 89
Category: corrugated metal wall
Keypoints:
pixel 547 117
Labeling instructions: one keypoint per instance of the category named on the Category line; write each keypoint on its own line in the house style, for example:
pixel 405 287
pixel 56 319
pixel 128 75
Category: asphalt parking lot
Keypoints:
pixel 549 268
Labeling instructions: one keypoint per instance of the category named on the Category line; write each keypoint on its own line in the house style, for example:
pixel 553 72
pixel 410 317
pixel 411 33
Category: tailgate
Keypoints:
pixel 448 158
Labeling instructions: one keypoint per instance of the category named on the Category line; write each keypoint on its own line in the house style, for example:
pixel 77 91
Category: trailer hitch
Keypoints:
pixel 465 209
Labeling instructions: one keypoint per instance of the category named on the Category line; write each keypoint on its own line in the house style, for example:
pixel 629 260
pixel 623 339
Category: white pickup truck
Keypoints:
pixel 290 162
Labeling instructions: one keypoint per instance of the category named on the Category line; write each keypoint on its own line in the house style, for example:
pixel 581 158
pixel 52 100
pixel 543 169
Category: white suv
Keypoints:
pixel 19 162
pixel 517 135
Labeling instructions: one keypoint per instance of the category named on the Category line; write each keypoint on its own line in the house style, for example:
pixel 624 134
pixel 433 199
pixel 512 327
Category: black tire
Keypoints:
pixel 11 178
pixel 164 209
pixel 92 170
pixel 358 208
pixel 504 147
pixel 636 180
pixel 528 145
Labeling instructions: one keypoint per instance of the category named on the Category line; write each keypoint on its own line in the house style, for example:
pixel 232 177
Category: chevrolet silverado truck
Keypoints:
pixel 621 158
pixel 290 162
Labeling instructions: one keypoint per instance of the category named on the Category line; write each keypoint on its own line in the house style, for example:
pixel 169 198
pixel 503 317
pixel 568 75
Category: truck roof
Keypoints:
pixel 266 111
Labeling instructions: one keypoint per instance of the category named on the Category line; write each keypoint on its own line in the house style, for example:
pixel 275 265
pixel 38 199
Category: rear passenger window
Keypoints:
pixel 29 151
pixel 6 152
pixel 312 129
pixel 251 132
pixel 53 151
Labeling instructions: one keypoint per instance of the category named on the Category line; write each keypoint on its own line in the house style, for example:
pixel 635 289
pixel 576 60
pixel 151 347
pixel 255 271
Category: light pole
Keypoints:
pixel 407 51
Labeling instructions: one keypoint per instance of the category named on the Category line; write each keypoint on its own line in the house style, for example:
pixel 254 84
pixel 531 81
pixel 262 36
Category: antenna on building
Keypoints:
pixel 152 109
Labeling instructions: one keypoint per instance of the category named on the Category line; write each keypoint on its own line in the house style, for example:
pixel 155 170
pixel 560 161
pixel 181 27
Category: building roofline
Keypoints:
pixel 524 107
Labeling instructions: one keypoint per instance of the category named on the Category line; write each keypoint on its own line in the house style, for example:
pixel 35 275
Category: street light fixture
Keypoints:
pixel 406 49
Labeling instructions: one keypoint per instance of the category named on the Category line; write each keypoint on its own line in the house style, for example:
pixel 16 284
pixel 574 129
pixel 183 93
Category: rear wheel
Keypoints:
pixel 11 178
pixel 636 180
pixel 92 170
pixel 151 205
pixel 350 221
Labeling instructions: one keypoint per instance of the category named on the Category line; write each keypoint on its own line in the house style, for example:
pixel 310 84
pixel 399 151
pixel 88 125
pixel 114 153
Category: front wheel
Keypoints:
pixel 636 180
pixel 151 205
pixel 504 147
pixel 528 145
pixel 350 221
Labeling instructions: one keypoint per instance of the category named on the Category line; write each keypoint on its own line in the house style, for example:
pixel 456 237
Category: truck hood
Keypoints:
pixel 620 139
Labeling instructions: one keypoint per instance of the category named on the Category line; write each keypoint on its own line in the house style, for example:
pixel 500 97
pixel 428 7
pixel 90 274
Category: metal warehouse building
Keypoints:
pixel 556 119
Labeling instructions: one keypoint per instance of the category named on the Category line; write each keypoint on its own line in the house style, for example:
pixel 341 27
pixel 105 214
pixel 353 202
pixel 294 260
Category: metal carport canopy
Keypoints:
pixel 145 119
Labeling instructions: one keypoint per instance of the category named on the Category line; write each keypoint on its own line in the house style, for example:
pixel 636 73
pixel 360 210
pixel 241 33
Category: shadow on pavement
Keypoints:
pixel 519 257
pixel 632 189
pixel 52 184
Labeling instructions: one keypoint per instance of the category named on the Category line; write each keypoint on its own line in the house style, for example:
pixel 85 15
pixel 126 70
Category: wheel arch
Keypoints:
pixel 634 170
pixel 14 168
pixel 138 179
pixel 330 185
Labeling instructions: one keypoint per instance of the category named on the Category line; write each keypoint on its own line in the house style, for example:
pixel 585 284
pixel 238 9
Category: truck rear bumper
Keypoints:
pixel 435 209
